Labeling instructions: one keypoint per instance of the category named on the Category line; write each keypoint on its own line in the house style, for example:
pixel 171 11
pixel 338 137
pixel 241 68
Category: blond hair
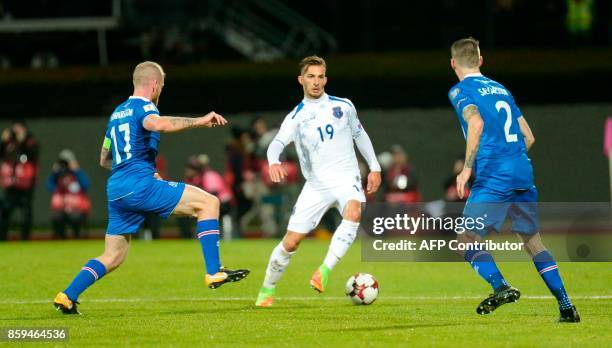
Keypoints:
pixel 466 52
pixel 311 60
pixel 147 71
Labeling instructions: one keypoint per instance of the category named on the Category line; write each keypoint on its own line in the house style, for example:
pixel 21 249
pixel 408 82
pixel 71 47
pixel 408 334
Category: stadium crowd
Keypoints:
pixel 251 204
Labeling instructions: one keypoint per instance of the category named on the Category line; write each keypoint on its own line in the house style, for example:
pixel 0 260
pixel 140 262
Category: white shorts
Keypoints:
pixel 315 200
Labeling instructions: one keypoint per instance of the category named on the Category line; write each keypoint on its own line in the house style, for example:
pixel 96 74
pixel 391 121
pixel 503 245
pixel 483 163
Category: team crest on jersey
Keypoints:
pixel 338 112
pixel 149 107
pixel 454 92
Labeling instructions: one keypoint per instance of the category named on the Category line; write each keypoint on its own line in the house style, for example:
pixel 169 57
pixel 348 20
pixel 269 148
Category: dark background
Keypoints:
pixel 391 60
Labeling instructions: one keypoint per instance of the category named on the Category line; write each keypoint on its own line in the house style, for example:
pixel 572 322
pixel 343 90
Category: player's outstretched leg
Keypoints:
pixel 115 251
pixel 279 260
pixel 205 207
pixel 547 267
pixel 343 238
pixel 482 262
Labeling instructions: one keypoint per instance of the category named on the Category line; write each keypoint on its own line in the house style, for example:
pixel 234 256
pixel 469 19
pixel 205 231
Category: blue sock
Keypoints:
pixel 208 234
pixel 92 271
pixel 547 267
pixel 483 263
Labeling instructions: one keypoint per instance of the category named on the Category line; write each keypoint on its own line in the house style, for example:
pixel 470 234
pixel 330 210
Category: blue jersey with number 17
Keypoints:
pixel 133 148
pixel 501 163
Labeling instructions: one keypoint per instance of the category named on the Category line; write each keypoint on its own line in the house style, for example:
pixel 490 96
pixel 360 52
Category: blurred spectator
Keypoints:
pixel 199 173
pixel 240 169
pixel 268 197
pixel 400 178
pixel 450 184
pixel 18 169
pixel 70 204
pixel 262 136
pixel 261 191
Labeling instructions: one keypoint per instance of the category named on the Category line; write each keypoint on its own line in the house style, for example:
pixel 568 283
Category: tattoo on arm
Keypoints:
pixel 469 162
pixel 470 111
pixel 182 122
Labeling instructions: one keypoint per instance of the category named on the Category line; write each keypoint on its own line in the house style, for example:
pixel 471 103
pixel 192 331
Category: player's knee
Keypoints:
pixel 465 238
pixel 205 206
pixel 352 212
pixel 291 244
pixel 210 202
pixel 114 259
pixel 533 244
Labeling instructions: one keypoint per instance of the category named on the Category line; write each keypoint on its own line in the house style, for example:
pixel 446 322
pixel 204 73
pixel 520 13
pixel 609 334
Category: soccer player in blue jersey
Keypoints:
pixel 498 138
pixel 135 189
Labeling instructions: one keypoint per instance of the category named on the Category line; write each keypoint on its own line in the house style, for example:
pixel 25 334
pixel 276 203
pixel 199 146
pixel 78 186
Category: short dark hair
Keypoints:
pixel 466 52
pixel 311 60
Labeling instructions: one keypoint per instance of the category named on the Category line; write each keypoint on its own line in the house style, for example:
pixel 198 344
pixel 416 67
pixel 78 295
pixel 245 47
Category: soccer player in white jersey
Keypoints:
pixel 323 128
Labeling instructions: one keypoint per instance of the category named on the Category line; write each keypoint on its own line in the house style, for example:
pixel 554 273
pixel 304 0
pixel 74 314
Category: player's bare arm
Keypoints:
pixel 472 117
pixel 526 131
pixel 105 159
pixel 169 124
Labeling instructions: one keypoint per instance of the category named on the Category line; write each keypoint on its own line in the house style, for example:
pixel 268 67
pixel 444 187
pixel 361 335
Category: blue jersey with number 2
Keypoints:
pixel 133 148
pixel 501 163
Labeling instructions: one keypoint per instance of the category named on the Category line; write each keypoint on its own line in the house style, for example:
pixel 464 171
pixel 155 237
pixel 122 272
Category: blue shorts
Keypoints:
pixel 492 207
pixel 126 214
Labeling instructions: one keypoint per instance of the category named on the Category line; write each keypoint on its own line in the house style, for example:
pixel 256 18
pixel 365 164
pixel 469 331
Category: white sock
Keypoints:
pixel 276 266
pixel 341 242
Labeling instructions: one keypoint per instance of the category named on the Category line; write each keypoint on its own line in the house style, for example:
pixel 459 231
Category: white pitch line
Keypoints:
pixel 294 298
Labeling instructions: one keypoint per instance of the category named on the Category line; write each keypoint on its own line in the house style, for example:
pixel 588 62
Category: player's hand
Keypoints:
pixel 462 179
pixel 277 173
pixel 157 176
pixel 212 119
pixel 373 182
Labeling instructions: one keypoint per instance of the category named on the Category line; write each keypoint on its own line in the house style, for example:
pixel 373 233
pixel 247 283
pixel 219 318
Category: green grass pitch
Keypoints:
pixel 158 298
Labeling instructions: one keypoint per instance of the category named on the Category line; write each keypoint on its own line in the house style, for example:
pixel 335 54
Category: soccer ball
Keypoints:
pixel 362 288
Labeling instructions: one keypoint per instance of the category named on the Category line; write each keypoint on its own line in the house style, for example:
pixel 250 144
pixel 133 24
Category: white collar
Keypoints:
pixel 322 98
pixel 473 75
pixel 141 98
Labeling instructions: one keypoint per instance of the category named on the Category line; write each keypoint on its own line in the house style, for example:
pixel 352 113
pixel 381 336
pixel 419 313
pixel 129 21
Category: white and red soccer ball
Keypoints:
pixel 362 288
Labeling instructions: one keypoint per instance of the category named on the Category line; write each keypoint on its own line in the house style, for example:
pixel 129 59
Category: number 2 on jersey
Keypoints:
pixel 329 129
pixel 125 129
pixel 510 138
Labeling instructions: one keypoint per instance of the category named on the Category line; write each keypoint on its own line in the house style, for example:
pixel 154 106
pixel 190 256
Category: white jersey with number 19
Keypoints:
pixel 323 130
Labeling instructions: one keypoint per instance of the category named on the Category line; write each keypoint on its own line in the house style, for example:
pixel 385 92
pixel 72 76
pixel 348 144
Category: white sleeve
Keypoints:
pixel 364 144
pixel 287 130
pixel 356 128
pixel 362 140
pixel 274 150
pixel 284 137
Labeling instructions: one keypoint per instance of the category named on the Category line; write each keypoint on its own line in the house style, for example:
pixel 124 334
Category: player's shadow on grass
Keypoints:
pixel 394 327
